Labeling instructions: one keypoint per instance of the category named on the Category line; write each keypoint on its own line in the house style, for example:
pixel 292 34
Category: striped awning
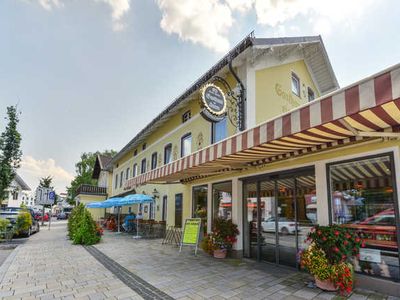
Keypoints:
pixel 365 110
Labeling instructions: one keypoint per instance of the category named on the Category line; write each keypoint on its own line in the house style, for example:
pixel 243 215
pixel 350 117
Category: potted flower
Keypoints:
pixel 221 239
pixel 329 257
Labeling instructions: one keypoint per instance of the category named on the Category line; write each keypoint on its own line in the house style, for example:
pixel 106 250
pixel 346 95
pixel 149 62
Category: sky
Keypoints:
pixel 88 75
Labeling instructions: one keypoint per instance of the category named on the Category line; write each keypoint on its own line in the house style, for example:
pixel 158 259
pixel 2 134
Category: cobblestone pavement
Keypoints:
pixel 184 276
pixel 47 266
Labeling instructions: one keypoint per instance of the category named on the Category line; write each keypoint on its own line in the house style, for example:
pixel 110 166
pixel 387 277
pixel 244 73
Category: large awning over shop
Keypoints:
pixel 366 110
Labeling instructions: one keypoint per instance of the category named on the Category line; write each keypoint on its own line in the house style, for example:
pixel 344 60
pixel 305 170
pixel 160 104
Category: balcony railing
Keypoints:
pixel 91 190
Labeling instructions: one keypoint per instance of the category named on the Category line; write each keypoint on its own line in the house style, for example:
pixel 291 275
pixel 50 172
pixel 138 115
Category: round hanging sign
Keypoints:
pixel 213 102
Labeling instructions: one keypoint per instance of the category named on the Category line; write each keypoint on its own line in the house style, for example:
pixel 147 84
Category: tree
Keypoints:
pixel 10 153
pixel 46 182
pixel 84 170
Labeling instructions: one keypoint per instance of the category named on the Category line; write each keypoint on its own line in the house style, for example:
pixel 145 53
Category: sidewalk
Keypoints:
pixel 49 267
pixel 184 276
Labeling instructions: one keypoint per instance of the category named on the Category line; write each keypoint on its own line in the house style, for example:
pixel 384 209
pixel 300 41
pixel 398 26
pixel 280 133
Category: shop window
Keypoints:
pixel 167 154
pixel 127 173
pixel 222 200
pixel 295 85
pixel 121 178
pixel 219 131
pixel 116 181
pixel 186 116
pixel 186 145
pixel 199 206
pixel 134 170
pixel 362 198
pixel 154 160
pixel 143 166
pixel 311 94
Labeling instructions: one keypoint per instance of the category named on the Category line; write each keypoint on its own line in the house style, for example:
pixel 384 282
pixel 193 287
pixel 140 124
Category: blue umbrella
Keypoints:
pixel 95 205
pixel 137 199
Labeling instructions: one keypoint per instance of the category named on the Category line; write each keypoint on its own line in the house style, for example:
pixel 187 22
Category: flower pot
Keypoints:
pixel 325 285
pixel 220 253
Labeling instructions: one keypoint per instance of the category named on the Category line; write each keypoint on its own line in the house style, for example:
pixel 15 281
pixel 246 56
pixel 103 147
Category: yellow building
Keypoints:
pixel 287 150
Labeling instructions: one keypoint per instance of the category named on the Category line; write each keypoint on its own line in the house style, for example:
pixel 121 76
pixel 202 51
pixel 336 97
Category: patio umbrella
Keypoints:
pixel 137 199
pixel 110 202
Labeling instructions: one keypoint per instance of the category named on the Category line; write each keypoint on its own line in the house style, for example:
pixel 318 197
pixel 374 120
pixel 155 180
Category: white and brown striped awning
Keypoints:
pixel 365 110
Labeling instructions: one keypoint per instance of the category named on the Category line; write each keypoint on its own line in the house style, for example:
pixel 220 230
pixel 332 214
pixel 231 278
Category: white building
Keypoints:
pixel 18 193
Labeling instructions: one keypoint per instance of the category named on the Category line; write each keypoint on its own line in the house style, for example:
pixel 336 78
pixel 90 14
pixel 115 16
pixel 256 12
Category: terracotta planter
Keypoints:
pixel 220 253
pixel 325 285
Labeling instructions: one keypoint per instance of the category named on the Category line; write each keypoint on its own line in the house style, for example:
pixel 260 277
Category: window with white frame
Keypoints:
pixel 143 166
pixel 295 84
pixel 168 154
pixel 154 160
pixel 135 170
pixel 186 144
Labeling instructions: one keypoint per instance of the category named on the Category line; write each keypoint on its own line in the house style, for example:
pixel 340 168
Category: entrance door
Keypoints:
pixel 178 210
pixel 276 207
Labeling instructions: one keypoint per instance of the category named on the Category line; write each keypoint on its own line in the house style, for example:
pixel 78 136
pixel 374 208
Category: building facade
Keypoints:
pixel 18 193
pixel 310 153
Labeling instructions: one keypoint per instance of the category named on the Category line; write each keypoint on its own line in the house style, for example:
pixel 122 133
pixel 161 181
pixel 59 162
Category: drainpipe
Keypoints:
pixel 241 100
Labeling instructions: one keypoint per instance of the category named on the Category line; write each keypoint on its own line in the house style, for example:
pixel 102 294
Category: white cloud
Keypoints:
pixel 32 170
pixel 49 4
pixel 118 7
pixel 208 22
pixel 322 15
pixel 204 22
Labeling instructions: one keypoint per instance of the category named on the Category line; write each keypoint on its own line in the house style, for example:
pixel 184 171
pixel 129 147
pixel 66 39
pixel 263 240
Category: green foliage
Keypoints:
pixel 82 228
pixel 4 224
pixel 339 243
pixel 328 256
pixel 84 170
pixel 23 222
pixel 315 262
pixel 73 219
pixel 223 236
pixel 10 153
pixel 46 182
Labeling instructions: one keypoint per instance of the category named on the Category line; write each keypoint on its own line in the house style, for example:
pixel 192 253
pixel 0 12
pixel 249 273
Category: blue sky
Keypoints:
pixel 88 75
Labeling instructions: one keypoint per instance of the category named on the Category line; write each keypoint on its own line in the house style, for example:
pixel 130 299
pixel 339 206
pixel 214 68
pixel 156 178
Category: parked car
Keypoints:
pixel 62 216
pixel 285 226
pixel 11 214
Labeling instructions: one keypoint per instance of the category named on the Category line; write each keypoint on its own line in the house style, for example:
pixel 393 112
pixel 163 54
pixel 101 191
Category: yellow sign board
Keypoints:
pixel 191 231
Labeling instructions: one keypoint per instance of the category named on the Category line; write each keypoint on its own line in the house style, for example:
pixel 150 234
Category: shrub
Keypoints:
pixel 75 216
pixel 222 237
pixel 23 222
pixel 86 232
pixel 4 224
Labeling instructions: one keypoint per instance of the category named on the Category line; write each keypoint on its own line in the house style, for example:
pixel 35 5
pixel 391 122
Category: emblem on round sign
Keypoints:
pixel 213 102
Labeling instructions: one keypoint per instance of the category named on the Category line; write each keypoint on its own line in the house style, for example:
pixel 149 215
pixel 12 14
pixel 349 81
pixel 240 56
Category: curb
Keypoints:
pixel 7 263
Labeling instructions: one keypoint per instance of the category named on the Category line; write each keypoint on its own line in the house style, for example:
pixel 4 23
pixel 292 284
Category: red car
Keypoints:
pixel 39 217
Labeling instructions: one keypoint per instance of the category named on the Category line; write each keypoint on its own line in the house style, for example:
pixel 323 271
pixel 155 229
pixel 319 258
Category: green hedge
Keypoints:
pixel 82 228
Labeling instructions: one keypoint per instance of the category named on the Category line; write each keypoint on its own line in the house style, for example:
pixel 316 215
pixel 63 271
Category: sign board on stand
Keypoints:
pixel 191 233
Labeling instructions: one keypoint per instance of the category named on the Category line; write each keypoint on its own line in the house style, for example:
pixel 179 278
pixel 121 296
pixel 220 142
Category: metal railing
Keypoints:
pixel 91 190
